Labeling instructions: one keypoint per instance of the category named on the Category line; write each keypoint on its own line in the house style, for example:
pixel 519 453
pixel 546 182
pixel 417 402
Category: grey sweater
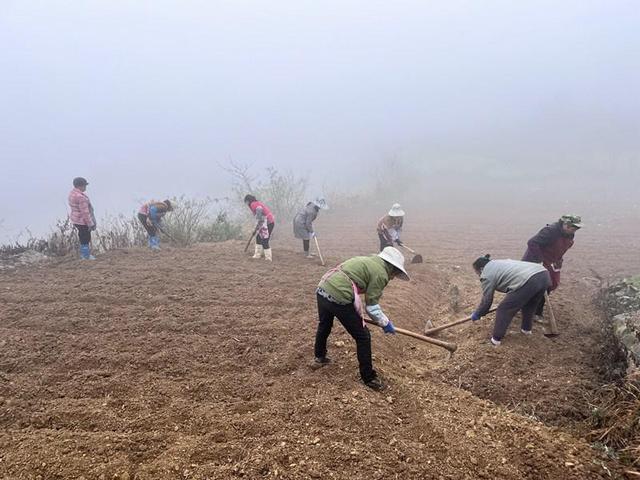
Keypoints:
pixel 504 276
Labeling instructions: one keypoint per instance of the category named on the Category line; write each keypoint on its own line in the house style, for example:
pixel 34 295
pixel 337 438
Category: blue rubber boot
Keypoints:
pixel 155 242
pixel 85 252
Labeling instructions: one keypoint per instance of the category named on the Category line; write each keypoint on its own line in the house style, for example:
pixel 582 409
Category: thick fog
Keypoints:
pixel 148 98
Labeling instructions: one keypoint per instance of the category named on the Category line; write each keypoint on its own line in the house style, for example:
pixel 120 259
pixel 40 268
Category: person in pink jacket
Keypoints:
pixel 82 216
pixel 264 226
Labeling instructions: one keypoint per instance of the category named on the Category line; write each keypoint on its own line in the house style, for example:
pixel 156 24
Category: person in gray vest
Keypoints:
pixel 303 222
pixel 523 282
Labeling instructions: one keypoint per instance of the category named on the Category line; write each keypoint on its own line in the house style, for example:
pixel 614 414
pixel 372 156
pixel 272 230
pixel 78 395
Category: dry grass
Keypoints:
pixel 192 221
pixel 617 420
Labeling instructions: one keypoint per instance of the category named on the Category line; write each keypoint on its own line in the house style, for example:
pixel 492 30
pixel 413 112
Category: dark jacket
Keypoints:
pixel 548 246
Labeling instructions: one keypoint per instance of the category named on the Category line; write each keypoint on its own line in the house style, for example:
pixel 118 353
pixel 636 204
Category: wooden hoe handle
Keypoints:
pixel 452 347
pixel 431 331
pixel 319 253
pixel 250 238
pixel 553 325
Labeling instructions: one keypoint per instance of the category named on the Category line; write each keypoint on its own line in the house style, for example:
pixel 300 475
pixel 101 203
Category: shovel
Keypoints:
pixel 417 258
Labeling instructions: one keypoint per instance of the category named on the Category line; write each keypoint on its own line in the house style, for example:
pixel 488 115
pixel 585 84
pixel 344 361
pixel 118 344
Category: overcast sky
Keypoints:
pixel 147 98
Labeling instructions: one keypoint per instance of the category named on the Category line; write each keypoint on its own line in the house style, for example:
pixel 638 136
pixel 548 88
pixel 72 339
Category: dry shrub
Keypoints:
pixel 615 415
pixel 616 420
pixel 200 220
pixel 62 240
pixel 192 221
pixel 119 232
pixel 283 192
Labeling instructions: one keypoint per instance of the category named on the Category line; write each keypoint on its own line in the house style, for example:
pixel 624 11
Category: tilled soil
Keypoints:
pixel 196 363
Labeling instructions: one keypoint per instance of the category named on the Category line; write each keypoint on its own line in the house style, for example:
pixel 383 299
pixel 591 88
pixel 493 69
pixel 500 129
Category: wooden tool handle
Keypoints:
pixel 250 238
pixel 452 347
pixel 431 331
pixel 408 249
pixel 553 325
pixel 319 253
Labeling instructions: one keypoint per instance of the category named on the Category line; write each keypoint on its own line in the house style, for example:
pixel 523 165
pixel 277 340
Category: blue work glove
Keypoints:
pixel 389 328
pixel 475 317
pixel 313 234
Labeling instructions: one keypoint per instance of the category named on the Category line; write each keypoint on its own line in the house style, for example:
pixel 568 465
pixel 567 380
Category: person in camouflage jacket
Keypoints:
pixel 548 247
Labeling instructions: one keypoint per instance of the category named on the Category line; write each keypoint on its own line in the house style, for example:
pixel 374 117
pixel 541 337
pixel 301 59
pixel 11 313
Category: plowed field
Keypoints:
pixel 196 363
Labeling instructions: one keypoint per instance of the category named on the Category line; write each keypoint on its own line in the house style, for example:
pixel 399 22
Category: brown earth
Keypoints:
pixel 195 363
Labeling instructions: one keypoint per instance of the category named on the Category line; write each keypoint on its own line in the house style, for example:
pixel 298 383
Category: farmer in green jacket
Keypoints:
pixel 338 295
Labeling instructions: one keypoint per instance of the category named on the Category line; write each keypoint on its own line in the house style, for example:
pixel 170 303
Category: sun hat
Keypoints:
pixel 321 203
pixel 394 257
pixel 396 211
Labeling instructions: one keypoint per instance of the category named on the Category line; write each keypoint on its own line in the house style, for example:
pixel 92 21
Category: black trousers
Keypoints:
pixel 526 298
pixel 540 309
pixel 84 234
pixel 351 321
pixel 384 242
pixel 305 246
pixel 151 230
pixel 265 241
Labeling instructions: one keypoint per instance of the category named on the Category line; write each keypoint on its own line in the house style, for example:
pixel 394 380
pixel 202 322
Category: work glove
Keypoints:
pixel 399 242
pixel 312 234
pixel 555 268
pixel 93 228
pixel 389 328
pixel 475 317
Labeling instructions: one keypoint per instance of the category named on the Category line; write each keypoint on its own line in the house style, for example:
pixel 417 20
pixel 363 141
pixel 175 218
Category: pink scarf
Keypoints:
pixel 357 301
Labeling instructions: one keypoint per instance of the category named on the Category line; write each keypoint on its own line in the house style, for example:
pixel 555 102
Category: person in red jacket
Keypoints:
pixel 264 227
pixel 548 247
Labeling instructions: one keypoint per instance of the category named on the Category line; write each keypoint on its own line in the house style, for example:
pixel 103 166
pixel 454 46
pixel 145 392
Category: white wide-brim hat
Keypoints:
pixel 396 211
pixel 321 203
pixel 393 256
